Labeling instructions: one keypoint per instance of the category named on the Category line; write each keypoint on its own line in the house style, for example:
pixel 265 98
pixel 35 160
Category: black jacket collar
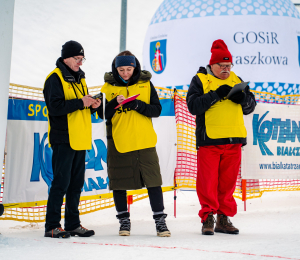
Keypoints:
pixel 68 77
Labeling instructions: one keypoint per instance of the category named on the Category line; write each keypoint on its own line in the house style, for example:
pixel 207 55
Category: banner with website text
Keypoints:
pixel 28 165
pixel 273 143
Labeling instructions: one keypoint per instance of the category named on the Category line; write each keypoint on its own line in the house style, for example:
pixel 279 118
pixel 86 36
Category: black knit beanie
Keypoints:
pixel 125 61
pixel 70 49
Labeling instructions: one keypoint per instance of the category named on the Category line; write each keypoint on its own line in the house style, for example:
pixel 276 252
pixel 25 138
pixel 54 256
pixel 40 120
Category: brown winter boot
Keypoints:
pixel 224 225
pixel 208 225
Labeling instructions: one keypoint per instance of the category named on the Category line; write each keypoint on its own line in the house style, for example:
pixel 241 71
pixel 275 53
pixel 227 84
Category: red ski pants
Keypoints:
pixel 217 170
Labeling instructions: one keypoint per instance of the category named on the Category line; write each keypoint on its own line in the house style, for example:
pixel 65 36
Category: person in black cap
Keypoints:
pixel 70 135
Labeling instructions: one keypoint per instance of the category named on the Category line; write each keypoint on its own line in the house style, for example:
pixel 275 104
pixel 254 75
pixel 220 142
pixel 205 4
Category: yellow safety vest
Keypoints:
pixel 79 122
pixel 131 130
pixel 224 119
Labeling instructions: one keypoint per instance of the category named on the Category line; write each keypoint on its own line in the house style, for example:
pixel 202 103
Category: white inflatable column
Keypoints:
pixel 6 37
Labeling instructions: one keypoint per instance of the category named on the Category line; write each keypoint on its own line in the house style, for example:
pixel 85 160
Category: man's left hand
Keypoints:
pixel 238 97
pixel 97 103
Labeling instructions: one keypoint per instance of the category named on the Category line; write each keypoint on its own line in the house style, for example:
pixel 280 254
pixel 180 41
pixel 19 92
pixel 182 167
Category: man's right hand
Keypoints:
pixel 88 101
pixel 223 91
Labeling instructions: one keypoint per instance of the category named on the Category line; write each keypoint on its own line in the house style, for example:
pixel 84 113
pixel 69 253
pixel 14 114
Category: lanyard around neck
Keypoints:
pixel 82 92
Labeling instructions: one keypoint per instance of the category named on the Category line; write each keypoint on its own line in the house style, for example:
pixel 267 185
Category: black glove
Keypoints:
pixel 238 97
pixel 133 105
pixel 223 91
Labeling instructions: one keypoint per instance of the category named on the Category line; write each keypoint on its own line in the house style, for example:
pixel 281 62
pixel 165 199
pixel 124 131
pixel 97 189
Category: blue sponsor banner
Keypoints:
pixel 33 111
pixel 167 107
pixel 37 111
pixel 26 110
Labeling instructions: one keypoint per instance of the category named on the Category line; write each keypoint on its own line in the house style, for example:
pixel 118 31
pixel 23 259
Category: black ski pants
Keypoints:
pixel 155 197
pixel 68 179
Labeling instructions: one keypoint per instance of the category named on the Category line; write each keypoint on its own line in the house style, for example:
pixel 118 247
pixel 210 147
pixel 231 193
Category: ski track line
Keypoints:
pixel 182 248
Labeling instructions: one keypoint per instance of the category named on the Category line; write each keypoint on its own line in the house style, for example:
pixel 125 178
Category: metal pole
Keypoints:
pixel 123 25
pixel 244 192
pixel 6 38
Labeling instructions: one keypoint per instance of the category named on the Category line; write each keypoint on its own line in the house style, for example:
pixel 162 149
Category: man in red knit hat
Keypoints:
pixel 220 134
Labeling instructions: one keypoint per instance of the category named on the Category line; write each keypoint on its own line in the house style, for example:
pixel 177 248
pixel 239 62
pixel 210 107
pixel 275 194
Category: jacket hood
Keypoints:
pixel 67 75
pixel 113 77
pixel 202 70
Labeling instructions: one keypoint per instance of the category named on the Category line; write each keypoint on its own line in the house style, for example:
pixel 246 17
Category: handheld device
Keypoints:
pixel 99 95
pixel 237 88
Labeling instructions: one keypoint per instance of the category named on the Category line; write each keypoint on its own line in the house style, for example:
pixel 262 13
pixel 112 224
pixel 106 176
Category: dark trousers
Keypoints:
pixel 68 179
pixel 155 197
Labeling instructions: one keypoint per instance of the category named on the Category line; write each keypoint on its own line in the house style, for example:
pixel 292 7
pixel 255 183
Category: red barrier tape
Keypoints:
pixel 182 248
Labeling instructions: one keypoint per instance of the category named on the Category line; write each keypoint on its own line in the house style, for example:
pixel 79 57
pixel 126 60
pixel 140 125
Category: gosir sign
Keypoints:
pixel 263 37
pixel 273 143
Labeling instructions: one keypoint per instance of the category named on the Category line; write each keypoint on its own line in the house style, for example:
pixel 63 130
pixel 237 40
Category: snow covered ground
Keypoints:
pixel 268 229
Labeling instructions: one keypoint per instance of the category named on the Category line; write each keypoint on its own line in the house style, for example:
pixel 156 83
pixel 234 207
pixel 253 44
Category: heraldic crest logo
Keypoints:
pixel 158 55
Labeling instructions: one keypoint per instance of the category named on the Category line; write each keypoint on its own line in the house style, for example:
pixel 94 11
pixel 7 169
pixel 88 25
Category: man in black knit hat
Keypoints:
pixel 70 135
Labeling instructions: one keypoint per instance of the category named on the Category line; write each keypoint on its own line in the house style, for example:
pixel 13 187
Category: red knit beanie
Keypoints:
pixel 219 53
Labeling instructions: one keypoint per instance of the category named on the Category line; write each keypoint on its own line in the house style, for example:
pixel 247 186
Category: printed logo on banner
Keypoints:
pixel 42 163
pixel 158 55
pixel 276 129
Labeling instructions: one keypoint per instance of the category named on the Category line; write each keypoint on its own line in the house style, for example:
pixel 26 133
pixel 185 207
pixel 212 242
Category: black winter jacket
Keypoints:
pixel 58 107
pixel 198 103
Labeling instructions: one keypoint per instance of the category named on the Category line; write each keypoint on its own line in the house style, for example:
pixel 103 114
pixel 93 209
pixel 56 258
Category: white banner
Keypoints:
pixel 273 143
pixel 28 167
pixel 263 37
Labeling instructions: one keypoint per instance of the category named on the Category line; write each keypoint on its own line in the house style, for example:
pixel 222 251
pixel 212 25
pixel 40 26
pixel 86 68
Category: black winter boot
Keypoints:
pixel 57 233
pixel 124 224
pixel 161 227
pixel 81 232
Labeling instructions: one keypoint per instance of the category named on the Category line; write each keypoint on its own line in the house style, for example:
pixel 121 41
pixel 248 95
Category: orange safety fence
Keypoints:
pixel 38 213
pixel 186 167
